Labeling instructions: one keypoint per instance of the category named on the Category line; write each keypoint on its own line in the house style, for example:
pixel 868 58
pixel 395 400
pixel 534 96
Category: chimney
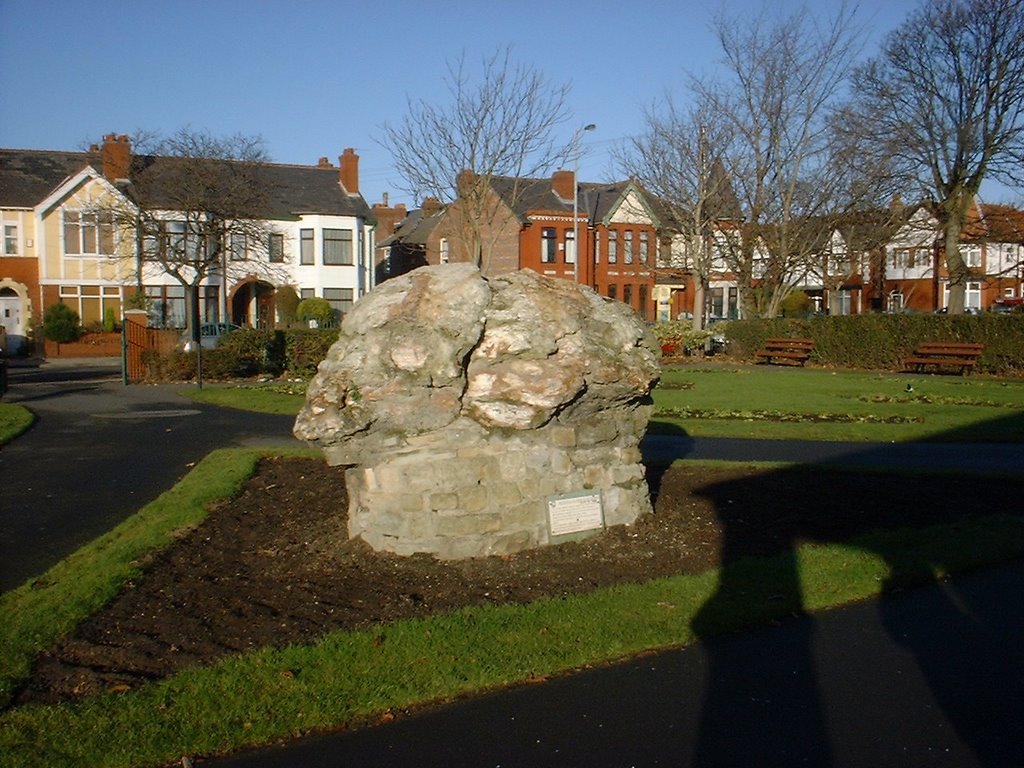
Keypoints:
pixel 349 162
pixel 431 207
pixel 116 157
pixel 388 218
pixel 464 182
pixel 323 162
pixel 563 184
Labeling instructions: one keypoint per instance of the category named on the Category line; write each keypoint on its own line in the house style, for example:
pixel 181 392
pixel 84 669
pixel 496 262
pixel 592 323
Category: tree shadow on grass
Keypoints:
pixel 771 710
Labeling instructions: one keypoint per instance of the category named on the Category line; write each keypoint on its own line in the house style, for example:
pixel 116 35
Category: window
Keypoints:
pixel 570 247
pixel 306 293
pixel 643 301
pixel 239 247
pixel 337 247
pixel 548 245
pixel 645 248
pixel 613 291
pixel 627 248
pixel 10 240
pixel 444 253
pixel 613 246
pixel 627 295
pixel 276 248
pixel 306 246
pixel 88 234
pixel 901 258
pixel 340 300
pixel 971 254
pixel 895 302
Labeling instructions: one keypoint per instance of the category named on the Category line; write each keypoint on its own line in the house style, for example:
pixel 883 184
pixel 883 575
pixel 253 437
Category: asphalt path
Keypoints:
pixel 97 453
pixel 926 677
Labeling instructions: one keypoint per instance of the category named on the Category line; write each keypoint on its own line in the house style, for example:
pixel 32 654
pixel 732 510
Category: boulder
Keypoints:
pixel 482 416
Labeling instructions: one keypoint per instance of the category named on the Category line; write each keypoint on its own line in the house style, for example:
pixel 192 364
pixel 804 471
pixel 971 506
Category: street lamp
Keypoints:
pixel 576 200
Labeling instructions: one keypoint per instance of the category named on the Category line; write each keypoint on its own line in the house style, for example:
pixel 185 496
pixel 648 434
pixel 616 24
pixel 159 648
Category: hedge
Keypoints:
pixel 882 342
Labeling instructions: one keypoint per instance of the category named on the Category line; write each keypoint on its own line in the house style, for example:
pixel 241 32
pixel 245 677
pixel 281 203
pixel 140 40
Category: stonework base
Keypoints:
pixel 463 493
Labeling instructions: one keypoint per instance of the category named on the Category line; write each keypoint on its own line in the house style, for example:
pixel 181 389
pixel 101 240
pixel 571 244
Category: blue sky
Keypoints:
pixel 312 77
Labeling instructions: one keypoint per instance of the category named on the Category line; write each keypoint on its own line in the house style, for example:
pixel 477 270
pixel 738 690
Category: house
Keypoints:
pixel 512 223
pixel 67 238
pixel 913 272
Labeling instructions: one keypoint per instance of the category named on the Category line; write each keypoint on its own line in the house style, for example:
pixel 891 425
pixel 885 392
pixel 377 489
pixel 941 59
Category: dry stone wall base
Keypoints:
pixel 462 405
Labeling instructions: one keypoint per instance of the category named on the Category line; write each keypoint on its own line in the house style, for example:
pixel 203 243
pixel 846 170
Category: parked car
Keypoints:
pixel 210 334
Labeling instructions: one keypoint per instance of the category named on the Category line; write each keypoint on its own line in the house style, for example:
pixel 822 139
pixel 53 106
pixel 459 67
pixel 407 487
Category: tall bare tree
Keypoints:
pixel 197 205
pixel 499 123
pixel 678 159
pixel 785 76
pixel 945 101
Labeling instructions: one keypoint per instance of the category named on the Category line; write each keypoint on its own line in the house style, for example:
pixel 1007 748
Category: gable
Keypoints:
pixel 631 209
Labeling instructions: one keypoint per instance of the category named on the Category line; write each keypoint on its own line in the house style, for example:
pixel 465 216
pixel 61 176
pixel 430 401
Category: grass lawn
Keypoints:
pixel 14 419
pixel 775 402
pixel 357 677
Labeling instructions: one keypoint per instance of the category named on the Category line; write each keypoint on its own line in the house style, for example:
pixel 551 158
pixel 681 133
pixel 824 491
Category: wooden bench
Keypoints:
pixel 938 353
pixel 797 350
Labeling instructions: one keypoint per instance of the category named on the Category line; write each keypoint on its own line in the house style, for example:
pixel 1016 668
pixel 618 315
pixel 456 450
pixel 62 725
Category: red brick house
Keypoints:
pixel 530 225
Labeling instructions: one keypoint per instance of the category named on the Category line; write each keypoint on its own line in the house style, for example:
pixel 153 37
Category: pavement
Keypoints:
pixel 926 677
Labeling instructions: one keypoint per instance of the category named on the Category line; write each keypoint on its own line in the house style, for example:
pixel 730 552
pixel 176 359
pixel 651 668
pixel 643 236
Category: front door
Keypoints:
pixel 10 319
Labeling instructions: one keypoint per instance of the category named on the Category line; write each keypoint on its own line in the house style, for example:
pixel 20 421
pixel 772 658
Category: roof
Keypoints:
pixel 413 230
pixel 596 200
pixel 28 176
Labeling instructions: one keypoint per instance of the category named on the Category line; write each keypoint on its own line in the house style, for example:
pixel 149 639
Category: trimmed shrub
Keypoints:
pixel 304 349
pixel 315 308
pixel 287 302
pixel 61 323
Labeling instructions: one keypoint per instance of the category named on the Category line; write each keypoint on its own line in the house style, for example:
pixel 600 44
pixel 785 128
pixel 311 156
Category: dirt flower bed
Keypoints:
pixel 274 566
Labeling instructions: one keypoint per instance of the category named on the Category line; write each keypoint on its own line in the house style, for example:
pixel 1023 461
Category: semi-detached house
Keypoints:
pixel 61 242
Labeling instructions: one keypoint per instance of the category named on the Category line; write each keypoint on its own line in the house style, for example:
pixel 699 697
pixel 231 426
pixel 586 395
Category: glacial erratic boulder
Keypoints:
pixel 467 406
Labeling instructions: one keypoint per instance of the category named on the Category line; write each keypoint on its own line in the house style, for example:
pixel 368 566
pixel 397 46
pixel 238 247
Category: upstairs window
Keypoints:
pixel 338 247
pixel 275 248
pixel 613 247
pixel 445 255
pixel 10 243
pixel 627 247
pixel 88 234
pixel 971 254
pixel 645 248
pixel 548 245
pixel 570 247
pixel 306 246
pixel 239 247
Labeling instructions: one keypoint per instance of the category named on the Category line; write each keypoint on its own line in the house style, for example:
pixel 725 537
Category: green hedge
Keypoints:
pixel 248 352
pixel 882 342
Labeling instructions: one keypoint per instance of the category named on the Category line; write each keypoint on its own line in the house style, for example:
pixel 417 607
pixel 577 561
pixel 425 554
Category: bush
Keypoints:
pixel 306 348
pixel 287 302
pixel 677 337
pixel 61 323
pixel 316 309
pixel 109 320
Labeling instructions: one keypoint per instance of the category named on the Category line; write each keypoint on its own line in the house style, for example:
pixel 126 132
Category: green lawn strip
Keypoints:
pixel 35 614
pixel 354 677
pixel 285 399
pixel 14 420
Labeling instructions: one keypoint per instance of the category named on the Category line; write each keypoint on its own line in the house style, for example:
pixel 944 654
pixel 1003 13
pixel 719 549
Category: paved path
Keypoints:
pixel 97 453
pixel 930 677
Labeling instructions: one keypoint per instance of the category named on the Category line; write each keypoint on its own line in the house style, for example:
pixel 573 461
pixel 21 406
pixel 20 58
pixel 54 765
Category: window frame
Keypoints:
pixel 335 253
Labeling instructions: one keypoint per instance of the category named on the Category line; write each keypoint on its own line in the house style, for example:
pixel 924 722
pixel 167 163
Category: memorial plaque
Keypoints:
pixel 575 515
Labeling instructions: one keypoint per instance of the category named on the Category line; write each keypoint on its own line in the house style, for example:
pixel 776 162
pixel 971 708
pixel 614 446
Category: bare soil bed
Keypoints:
pixel 275 566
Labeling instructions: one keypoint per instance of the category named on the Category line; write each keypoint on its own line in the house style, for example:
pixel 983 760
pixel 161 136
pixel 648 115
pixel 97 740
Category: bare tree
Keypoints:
pixel 499 124
pixel 945 101
pixel 198 205
pixel 785 78
pixel 678 159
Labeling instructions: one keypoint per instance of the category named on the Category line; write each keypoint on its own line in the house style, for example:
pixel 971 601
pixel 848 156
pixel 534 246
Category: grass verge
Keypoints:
pixel 356 677
pixel 14 419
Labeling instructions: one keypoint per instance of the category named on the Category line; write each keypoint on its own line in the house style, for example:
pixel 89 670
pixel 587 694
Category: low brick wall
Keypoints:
pixel 89 345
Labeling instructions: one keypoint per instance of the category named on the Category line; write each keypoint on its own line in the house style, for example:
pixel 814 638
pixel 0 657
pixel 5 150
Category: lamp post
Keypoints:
pixel 576 200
